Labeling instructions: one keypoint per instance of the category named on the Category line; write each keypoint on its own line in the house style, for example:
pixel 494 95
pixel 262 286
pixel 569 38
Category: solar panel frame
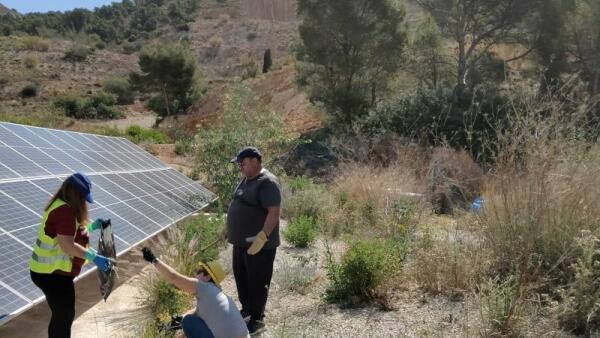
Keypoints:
pixel 138 193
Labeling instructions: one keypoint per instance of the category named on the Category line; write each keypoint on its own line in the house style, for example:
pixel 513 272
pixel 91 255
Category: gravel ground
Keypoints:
pixel 296 311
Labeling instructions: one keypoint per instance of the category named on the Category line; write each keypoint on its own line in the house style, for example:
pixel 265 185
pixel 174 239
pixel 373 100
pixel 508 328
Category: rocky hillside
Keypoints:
pixel 229 39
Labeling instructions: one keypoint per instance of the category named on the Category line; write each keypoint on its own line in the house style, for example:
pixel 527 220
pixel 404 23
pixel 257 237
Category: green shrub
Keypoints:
pixel 169 72
pixel 100 45
pixel 96 106
pixel 77 54
pixel 502 303
pixel 303 197
pixel 298 183
pixel 71 104
pixel 164 301
pixel 30 90
pixel 104 112
pixel 209 231
pixel 263 129
pixel 131 47
pixel 365 267
pixel 138 134
pixel 102 97
pixel 301 231
pixel 121 88
pixel 35 43
pixel 184 146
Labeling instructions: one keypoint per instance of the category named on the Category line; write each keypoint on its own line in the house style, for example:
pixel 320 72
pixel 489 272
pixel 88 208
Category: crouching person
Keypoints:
pixel 216 314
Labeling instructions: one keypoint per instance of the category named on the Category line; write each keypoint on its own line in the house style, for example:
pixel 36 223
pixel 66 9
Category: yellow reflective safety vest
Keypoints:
pixel 47 255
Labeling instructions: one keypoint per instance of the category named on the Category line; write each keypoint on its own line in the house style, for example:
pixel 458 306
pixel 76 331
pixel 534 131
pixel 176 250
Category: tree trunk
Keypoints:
pixel 166 100
pixel 462 66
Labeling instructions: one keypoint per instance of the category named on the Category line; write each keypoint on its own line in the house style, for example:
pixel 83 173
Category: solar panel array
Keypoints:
pixel 140 194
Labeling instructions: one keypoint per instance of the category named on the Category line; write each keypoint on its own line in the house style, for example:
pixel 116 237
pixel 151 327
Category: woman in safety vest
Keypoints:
pixel 61 250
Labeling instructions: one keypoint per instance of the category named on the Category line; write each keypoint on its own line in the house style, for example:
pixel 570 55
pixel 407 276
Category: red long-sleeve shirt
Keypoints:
pixel 61 221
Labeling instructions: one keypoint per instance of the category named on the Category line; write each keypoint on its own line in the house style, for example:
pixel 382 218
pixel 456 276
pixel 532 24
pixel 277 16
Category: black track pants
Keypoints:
pixel 253 278
pixel 60 295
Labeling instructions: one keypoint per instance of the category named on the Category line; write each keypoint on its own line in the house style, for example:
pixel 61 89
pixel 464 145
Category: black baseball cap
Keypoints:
pixel 246 152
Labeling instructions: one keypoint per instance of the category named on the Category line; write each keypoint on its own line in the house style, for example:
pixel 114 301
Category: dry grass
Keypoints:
pixel 544 192
pixel 374 199
pixel 447 261
pixel 30 62
pixel 34 43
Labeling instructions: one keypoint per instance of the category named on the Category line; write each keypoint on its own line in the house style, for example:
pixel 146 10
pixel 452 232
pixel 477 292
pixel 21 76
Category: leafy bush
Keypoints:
pixel 171 73
pixel 71 104
pixel 301 231
pixel 77 54
pixel 130 48
pixel 304 198
pixel 441 117
pixel 210 231
pixel 100 45
pixel 121 88
pixel 30 90
pixel 263 129
pixel 365 266
pixel 104 112
pixel 97 106
pixel 184 146
pixel 35 43
pixel 138 134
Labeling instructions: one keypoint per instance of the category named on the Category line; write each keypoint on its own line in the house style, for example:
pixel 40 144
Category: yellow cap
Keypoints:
pixel 215 270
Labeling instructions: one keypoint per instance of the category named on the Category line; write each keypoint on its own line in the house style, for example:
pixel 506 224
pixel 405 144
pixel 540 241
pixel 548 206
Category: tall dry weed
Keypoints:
pixel 382 199
pixel 544 189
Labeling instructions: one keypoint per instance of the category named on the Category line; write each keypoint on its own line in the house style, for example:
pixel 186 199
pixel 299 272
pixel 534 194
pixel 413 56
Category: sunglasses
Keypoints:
pixel 201 271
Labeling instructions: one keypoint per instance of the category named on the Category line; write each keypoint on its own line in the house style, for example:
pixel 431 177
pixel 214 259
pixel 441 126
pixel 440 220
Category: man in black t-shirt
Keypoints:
pixel 253 229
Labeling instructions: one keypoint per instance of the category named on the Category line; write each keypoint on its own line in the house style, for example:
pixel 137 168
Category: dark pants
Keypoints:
pixel 253 278
pixel 60 295
pixel 195 327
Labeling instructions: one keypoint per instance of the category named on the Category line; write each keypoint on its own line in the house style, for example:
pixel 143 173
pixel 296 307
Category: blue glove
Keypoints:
pixel 101 262
pixel 99 223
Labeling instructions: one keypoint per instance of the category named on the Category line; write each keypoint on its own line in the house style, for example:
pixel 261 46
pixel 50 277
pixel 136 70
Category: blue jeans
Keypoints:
pixel 194 327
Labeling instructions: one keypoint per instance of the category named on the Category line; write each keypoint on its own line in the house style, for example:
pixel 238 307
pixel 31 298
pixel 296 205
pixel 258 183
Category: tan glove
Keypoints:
pixel 259 241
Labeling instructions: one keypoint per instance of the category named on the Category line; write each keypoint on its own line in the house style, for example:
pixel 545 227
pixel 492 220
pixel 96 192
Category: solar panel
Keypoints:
pixel 140 194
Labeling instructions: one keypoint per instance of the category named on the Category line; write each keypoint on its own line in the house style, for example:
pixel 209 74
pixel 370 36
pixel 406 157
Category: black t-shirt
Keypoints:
pixel 248 209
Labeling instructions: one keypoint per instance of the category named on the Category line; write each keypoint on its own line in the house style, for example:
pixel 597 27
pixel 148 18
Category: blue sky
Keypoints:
pixel 26 6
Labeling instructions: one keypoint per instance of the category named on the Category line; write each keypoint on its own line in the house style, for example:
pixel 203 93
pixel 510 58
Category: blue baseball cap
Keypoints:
pixel 83 185
pixel 246 152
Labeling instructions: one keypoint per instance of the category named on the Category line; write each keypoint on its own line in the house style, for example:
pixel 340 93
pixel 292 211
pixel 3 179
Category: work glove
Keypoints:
pixel 258 242
pixel 100 261
pixel 148 255
pixel 99 223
